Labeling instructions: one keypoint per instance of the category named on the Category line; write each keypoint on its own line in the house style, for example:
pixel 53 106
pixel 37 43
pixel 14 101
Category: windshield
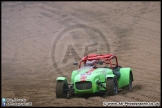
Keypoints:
pixel 85 68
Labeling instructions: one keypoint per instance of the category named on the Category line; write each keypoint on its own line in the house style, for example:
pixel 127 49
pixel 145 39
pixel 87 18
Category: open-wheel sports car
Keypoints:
pixel 96 73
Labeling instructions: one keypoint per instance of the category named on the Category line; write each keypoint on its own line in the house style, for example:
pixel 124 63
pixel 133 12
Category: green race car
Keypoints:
pixel 97 73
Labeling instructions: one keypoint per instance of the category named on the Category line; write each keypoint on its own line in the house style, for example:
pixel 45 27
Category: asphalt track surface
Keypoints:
pixel 37 38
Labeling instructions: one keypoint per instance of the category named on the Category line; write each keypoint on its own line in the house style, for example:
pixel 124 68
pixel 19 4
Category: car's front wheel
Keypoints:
pixel 129 86
pixel 61 89
pixel 111 86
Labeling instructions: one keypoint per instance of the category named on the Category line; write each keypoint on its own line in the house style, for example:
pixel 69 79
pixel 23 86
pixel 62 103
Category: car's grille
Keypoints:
pixel 83 85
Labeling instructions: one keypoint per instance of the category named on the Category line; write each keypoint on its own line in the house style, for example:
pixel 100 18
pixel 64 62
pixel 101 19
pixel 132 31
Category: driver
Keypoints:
pixel 91 63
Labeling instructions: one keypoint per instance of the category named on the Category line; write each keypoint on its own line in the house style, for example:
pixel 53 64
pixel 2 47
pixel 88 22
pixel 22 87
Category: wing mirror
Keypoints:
pixel 75 63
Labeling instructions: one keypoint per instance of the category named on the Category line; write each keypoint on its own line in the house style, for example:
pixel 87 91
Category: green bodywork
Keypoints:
pixel 95 75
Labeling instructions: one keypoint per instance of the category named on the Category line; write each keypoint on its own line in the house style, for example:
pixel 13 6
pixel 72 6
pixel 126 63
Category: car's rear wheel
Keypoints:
pixel 61 89
pixel 111 86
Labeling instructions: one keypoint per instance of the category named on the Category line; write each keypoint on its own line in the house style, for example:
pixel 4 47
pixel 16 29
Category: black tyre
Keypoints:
pixel 111 86
pixel 61 89
pixel 129 86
